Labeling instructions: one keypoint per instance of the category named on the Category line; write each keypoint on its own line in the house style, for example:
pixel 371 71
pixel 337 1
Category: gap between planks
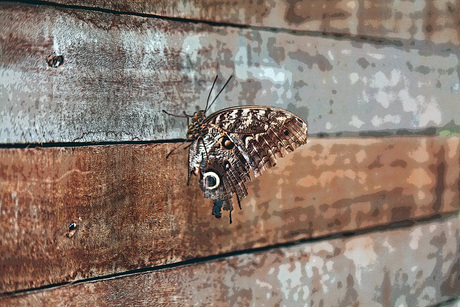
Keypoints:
pixel 371 230
pixel 429 132
pixel 381 41
pixel 129 197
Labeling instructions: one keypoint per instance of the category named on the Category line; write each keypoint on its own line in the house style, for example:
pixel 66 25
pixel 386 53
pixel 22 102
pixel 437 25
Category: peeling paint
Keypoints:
pixel 356 122
pixel 117 79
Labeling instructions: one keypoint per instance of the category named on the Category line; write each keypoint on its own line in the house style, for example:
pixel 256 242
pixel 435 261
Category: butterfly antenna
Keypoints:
pixel 223 87
pixel 209 95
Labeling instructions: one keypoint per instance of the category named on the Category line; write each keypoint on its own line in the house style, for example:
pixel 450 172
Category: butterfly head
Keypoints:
pixel 196 129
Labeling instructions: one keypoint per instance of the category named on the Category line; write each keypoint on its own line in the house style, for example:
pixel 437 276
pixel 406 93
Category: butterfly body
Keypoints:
pixel 231 142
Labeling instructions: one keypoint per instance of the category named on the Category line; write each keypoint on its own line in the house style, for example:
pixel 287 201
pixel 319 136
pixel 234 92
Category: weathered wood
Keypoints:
pixel 422 20
pixel 120 71
pixel 132 208
pixel 413 266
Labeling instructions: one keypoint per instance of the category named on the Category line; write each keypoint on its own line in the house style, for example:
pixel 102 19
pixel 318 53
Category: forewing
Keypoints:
pixel 263 133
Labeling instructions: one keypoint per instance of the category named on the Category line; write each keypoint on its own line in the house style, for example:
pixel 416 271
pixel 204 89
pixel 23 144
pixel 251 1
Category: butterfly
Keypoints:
pixel 228 144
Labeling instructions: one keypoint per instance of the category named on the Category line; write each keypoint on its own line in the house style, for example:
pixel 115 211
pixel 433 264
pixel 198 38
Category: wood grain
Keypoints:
pixel 120 71
pixel 425 20
pixel 413 266
pixel 132 208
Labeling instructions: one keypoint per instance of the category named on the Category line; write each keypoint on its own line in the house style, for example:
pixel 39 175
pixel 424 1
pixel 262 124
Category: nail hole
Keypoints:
pixel 72 229
pixel 55 61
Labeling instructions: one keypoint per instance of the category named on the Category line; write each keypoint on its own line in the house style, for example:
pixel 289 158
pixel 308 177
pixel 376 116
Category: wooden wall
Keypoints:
pixel 92 212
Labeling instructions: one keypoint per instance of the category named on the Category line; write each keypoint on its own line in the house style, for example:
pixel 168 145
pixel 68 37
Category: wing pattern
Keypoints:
pixel 232 142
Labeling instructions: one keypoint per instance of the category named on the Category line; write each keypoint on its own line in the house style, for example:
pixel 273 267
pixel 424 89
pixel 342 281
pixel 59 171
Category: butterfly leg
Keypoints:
pixel 186 147
pixel 176 115
pixel 239 203
pixel 204 146
pixel 174 149
pixel 188 118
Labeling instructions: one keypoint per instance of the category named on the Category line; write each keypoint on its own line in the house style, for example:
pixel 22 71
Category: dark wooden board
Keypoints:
pixel 423 20
pixel 412 266
pixel 133 209
pixel 120 71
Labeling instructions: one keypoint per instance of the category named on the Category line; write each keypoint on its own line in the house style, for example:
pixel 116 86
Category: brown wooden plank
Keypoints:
pixel 412 266
pixel 120 71
pixel 133 209
pixel 426 20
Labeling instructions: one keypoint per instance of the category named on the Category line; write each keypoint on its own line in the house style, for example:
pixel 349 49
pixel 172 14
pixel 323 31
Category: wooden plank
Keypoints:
pixel 425 20
pixel 132 208
pixel 120 71
pixel 413 266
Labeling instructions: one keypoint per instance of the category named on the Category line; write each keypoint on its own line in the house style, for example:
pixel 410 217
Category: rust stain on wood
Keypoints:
pixel 412 266
pixel 133 209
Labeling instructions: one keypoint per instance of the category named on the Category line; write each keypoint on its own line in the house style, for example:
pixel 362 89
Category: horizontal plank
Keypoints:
pixel 413 266
pixel 422 20
pixel 78 212
pixel 120 71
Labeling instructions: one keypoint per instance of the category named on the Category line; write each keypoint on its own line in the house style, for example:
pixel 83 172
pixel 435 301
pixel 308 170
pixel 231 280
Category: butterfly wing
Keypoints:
pixel 236 140
pixel 223 170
